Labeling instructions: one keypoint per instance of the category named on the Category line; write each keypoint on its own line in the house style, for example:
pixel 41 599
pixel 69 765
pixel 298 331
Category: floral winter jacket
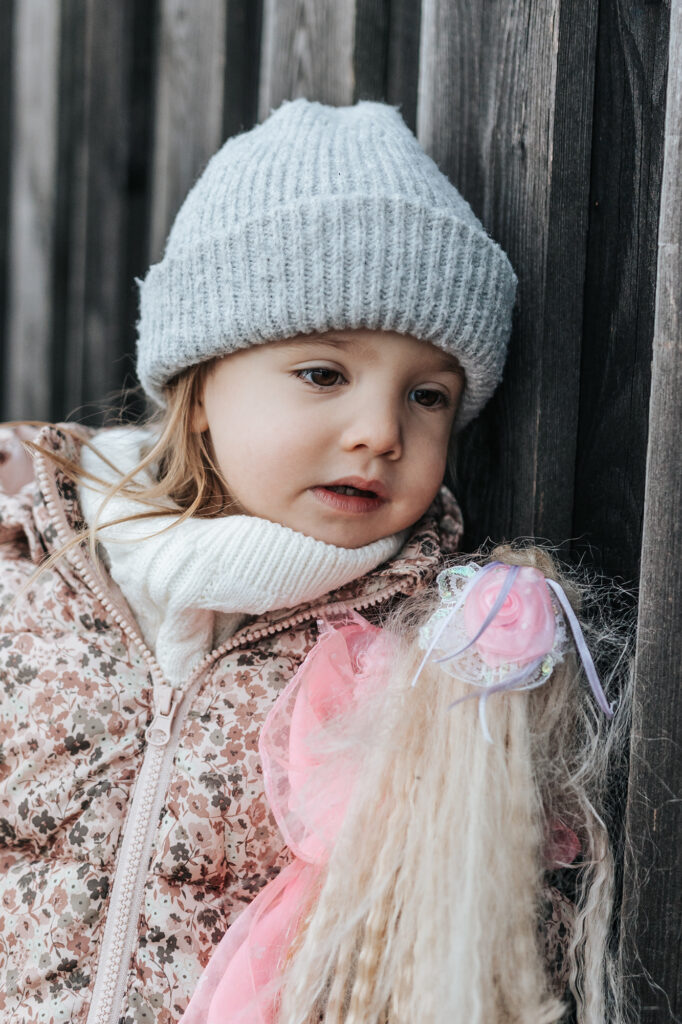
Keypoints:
pixel 133 821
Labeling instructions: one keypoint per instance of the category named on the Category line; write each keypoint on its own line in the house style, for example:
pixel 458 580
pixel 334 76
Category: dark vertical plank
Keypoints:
pixel 403 58
pixel 68 259
pixel 6 22
pixel 504 107
pixel 108 134
pixel 101 180
pixel 102 198
pixel 26 380
pixel 370 49
pixel 620 282
pixel 652 893
pixel 189 104
pixel 307 51
pixel 243 25
pixel 144 16
pixel 386 54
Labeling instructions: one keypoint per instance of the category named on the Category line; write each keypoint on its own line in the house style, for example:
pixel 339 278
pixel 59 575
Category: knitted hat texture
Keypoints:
pixel 324 218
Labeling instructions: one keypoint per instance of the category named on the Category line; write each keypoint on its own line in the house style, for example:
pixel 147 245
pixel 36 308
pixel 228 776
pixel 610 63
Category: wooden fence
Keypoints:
pixel 559 120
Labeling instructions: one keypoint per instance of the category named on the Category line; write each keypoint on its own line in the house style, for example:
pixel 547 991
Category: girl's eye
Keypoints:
pixel 321 376
pixel 429 398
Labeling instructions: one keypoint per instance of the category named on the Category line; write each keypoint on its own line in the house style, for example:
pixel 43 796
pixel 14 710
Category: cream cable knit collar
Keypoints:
pixel 192 585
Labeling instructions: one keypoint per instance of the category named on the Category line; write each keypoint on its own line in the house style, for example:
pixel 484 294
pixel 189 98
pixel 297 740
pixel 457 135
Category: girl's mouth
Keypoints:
pixel 344 498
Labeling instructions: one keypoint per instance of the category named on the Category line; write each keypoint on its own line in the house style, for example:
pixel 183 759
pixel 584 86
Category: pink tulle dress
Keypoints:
pixel 312 746
pixel 309 775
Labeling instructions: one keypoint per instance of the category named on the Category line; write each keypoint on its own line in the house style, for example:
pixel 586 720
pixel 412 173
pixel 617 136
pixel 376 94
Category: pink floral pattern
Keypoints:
pixel 76 699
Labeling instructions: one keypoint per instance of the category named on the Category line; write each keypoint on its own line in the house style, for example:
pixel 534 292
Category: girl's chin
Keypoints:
pixel 347 537
pixel 341 535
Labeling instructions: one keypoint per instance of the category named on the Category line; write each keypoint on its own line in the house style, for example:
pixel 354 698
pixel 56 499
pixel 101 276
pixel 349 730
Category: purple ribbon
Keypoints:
pixel 516 680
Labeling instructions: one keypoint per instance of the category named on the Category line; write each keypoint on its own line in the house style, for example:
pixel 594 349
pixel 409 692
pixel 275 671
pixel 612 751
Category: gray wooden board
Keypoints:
pixel 386 54
pixel 6 22
pixel 102 200
pixel 26 380
pixel 94 150
pixel 370 49
pixel 652 892
pixel 138 188
pixel 69 234
pixel 307 50
pixel 243 26
pixel 627 159
pixel 505 109
pixel 188 125
pixel 403 58
pixel 106 213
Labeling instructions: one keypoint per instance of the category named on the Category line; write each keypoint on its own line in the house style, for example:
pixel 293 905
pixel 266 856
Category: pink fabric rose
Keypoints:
pixel 524 626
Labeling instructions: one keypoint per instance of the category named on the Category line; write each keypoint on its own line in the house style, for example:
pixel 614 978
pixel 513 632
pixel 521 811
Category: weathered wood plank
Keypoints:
pixel 244 25
pixel 189 104
pixel 26 382
pixel 70 220
pixel 308 48
pixel 136 262
pixel 505 109
pixel 652 893
pixel 370 49
pixel 6 21
pixel 94 338
pixel 627 160
pixel 403 58
pixel 386 54
pixel 102 196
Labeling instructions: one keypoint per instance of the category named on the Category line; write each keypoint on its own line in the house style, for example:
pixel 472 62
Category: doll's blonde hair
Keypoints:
pixel 430 906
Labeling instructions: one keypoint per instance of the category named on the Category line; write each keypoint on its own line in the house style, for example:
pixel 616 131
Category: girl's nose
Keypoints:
pixel 375 427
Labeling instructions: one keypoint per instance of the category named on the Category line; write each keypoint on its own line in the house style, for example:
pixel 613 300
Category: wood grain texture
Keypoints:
pixel 244 27
pixel 102 198
pixel 307 51
pixel 652 891
pixel 386 54
pixel 6 22
pixel 627 160
pixel 189 104
pixel 505 103
pixel 404 34
pixel 370 49
pixel 93 343
pixel 26 381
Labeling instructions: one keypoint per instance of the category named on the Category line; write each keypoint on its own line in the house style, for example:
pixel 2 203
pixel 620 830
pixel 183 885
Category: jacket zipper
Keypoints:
pixel 127 893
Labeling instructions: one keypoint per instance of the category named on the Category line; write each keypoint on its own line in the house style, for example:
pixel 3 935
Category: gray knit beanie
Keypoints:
pixel 326 218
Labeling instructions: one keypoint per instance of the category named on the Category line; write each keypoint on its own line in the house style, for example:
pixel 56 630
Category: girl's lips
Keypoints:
pixel 357 503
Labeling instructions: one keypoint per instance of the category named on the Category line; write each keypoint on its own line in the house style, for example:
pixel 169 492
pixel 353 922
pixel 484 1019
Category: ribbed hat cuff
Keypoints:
pixel 332 263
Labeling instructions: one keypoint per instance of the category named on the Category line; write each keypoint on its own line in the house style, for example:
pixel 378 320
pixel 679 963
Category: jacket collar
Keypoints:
pixel 434 538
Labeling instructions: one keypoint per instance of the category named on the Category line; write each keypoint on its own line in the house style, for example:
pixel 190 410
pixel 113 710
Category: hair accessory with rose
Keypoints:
pixel 500 627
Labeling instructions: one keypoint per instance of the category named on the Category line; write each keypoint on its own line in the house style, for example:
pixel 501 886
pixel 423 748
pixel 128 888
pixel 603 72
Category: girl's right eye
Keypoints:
pixel 320 376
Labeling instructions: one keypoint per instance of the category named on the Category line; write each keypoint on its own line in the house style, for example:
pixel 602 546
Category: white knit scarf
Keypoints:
pixel 192 585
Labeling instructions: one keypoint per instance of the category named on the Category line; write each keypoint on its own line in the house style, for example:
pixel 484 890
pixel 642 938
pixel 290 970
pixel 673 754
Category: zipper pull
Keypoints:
pixel 158 732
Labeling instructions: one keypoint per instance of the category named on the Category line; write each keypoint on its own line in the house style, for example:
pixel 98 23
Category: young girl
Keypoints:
pixel 239 599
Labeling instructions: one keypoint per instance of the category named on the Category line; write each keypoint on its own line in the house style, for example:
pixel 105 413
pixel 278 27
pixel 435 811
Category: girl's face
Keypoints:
pixel 341 436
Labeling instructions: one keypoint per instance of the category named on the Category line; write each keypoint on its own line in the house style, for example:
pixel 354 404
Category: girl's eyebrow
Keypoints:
pixel 444 362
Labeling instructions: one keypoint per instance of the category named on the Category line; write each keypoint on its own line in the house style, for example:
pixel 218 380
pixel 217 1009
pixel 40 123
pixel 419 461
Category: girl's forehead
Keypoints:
pixel 372 345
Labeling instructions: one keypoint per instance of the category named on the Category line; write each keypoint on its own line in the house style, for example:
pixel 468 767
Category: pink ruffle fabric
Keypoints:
pixel 312 746
pixel 311 761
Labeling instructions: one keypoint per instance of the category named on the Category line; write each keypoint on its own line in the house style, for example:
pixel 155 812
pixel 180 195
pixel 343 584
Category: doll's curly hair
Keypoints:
pixel 429 911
